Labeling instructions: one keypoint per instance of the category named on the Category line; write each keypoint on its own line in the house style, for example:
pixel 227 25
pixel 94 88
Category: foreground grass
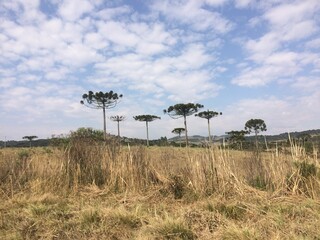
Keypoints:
pixel 92 214
pixel 157 193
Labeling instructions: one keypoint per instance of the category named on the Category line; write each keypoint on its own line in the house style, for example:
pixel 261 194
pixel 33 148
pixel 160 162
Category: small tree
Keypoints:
pixel 147 119
pixel 237 137
pixel 183 110
pixel 208 115
pixel 255 126
pixel 118 119
pixel 30 138
pixel 178 131
pixel 100 100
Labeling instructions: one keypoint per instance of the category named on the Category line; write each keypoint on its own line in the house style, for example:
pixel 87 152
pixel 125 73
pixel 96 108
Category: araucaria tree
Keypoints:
pixel 183 110
pixel 147 119
pixel 255 126
pixel 118 119
pixel 208 115
pixel 30 138
pixel 178 131
pixel 237 137
pixel 101 100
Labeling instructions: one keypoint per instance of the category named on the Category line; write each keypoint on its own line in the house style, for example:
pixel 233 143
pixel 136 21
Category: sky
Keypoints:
pixel 244 58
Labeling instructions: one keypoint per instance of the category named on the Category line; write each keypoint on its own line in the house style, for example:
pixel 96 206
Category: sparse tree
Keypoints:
pixel 118 119
pixel 147 119
pixel 30 138
pixel 255 126
pixel 178 131
pixel 208 115
pixel 100 100
pixel 183 110
pixel 237 137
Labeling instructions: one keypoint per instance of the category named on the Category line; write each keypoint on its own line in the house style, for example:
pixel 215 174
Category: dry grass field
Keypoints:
pixel 94 191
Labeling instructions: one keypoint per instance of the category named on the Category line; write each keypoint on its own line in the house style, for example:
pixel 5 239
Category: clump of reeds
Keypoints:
pixel 107 164
pixel 83 162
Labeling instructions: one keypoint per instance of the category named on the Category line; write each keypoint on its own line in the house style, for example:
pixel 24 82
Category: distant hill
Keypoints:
pixel 315 133
pixel 195 139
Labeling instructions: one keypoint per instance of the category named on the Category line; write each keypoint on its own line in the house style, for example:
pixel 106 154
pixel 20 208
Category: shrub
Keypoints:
pixel 177 187
pixel 84 158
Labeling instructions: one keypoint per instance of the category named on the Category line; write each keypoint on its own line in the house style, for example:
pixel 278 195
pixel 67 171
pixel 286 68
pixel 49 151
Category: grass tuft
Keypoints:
pixel 172 229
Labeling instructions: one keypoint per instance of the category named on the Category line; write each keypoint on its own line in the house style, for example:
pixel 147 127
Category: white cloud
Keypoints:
pixel 95 41
pixel 72 10
pixel 181 76
pixel 276 66
pixel 57 74
pixel 77 55
pixel 266 45
pixel 27 10
pixel 214 3
pixel 307 84
pixel 192 13
pixel 315 43
pixel 300 30
pixel 288 23
pixel 255 21
pixel 287 59
pixel 243 3
pixel 285 15
pixel 7 82
pixel 117 33
pixel 112 13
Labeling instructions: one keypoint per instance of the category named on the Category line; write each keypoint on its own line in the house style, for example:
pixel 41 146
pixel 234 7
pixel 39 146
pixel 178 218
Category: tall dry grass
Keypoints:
pixel 176 171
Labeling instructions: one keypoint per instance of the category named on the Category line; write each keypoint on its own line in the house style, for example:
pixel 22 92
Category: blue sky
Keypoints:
pixel 245 58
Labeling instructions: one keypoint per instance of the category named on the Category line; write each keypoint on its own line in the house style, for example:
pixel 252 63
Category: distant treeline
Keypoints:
pixel 314 135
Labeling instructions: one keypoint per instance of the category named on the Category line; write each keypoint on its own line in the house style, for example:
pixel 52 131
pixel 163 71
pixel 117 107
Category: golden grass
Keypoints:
pixel 106 192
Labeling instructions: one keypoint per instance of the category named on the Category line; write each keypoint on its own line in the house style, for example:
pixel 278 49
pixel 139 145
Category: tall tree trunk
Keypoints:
pixel 257 145
pixel 104 123
pixel 118 129
pixel 186 130
pixel 210 141
pixel 265 141
pixel 147 133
